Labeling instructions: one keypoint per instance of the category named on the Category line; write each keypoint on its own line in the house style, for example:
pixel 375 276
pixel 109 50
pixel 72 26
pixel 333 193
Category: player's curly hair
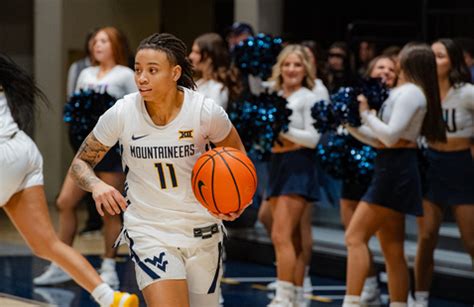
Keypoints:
pixel 176 52
pixel 21 91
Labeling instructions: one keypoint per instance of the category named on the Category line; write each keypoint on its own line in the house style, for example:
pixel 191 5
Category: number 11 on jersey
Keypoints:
pixel 161 174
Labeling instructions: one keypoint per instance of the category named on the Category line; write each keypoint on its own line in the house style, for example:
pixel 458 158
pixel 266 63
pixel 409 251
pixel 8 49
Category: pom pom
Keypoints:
pixel 375 91
pixel 343 109
pixel 343 157
pixel 360 162
pixel 257 55
pixel 344 106
pixel 259 120
pixel 331 152
pixel 82 111
pixel 324 117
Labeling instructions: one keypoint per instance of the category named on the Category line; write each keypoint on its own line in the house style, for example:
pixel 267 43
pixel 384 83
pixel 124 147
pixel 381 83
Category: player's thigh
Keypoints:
pixel 171 292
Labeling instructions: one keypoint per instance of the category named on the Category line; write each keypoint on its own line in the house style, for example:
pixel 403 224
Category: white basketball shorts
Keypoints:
pixel 21 166
pixel 201 266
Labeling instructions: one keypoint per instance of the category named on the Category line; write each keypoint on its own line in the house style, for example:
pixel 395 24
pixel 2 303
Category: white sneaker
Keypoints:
pixel 276 302
pixel 422 303
pixel 272 286
pixel 370 297
pixel 51 276
pixel 110 277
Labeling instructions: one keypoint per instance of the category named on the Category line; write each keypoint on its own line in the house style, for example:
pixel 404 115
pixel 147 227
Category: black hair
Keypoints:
pixel 418 64
pixel 176 52
pixel 20 90
pixel 459 73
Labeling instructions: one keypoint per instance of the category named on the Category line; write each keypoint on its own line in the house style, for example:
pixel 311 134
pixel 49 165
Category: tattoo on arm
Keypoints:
pixel 88 156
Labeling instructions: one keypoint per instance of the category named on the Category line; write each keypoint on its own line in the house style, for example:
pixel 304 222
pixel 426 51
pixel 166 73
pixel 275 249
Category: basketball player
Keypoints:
pixel 21 181
pixel 412 109
pixel 175 243
pixel 450 174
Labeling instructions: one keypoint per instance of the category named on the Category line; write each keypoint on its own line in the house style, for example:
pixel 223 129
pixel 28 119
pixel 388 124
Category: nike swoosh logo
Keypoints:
pixel 134 138
pixel 200 185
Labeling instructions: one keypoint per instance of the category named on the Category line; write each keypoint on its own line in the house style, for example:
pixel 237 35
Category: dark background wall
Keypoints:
pixel 385 22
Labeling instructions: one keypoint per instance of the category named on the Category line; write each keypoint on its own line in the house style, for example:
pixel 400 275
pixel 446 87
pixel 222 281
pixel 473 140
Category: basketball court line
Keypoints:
pixel 237 280
pixel 14 301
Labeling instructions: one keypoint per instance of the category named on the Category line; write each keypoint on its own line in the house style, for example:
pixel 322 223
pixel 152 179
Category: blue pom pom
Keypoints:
pixel 257 55
pixel 375 91
pixel 82 111
pixel 344 106
pixel 345 158
pixel 323 115
pixel 259 120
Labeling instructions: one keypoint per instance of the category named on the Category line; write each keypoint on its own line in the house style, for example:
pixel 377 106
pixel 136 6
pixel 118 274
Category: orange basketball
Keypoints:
pixel 224 180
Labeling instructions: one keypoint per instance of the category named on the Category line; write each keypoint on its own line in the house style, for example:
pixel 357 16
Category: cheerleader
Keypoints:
pixel 110 75
pixel 22 193
pixel 380 67
pixel 412 109
pixel 292 178
pixel 450 174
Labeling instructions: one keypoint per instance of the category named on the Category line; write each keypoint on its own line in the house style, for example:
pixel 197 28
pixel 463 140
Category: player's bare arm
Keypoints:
pixel 105 196
pixel 88 156
pixel 232 140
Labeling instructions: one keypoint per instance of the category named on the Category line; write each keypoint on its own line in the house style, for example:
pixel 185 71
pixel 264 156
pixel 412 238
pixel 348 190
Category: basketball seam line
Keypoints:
pixel 197 173
pixel 232 175
pixel 212 183
pixel 243 163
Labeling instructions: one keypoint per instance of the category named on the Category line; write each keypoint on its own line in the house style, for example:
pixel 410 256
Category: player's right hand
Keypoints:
pixel 108 198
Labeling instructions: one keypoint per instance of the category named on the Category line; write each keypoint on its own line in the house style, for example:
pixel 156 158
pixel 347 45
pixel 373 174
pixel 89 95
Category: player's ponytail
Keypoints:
pixel 21 91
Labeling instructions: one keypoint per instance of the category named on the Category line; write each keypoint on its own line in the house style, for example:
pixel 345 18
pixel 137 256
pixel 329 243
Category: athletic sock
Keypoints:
pixel 285 290
pixel 299 293
pixel 103 294
pixel 371 283
pixel 351 301
pixel 108 264
pixel 421 296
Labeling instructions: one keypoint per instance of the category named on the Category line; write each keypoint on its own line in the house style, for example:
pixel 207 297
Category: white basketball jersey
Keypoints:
pixel 158 161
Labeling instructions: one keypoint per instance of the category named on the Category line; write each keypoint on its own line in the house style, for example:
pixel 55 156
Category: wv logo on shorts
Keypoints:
pixel 159 261
pixel 185 134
